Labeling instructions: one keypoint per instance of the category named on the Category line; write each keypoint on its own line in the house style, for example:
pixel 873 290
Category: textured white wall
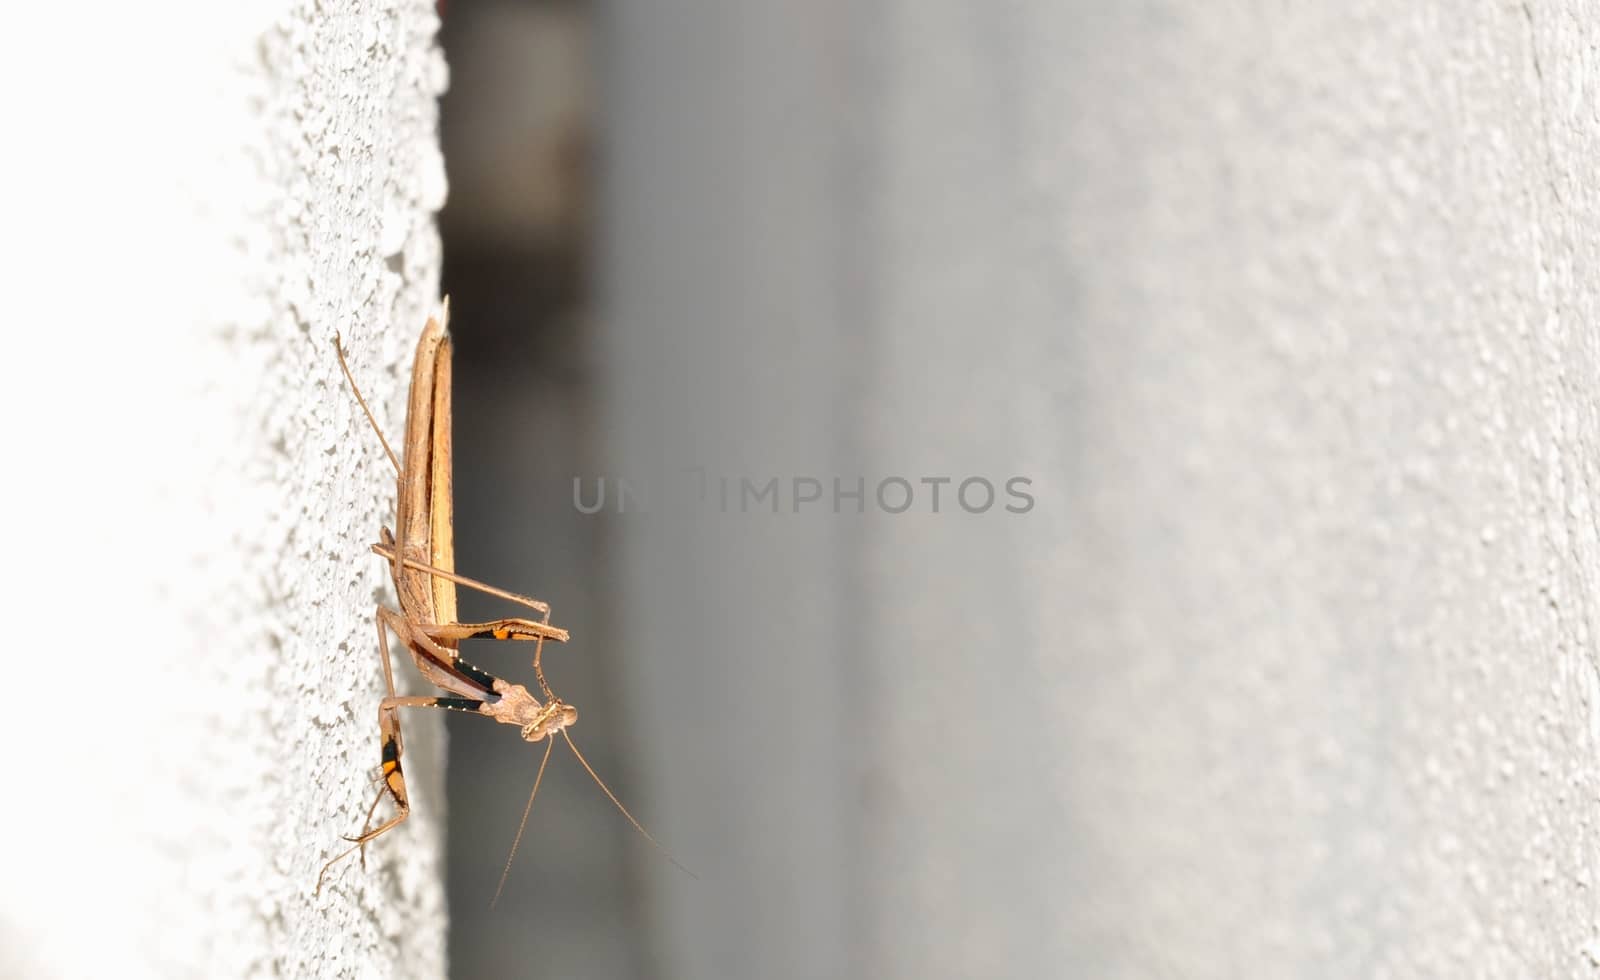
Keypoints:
pixel 1290 313
pixel 201 195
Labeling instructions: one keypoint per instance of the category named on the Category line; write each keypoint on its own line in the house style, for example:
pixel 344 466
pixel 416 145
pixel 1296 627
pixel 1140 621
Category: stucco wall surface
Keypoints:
pixel 204 195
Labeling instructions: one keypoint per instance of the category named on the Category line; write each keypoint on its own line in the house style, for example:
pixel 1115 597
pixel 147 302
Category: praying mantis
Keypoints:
pixel 421 555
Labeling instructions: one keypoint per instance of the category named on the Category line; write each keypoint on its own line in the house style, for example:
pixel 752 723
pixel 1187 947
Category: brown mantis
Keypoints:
pixel 421 556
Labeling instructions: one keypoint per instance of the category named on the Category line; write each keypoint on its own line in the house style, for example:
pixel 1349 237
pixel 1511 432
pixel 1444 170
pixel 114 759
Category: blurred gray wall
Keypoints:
pixel 1287 311
pixel 514 127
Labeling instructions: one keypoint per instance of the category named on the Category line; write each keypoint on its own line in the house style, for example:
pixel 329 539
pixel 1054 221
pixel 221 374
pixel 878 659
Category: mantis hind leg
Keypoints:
pixel 394 777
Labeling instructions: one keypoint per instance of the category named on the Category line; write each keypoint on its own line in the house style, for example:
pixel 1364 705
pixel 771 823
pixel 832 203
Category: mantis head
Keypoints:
pixel 538 720
pixel 553 717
